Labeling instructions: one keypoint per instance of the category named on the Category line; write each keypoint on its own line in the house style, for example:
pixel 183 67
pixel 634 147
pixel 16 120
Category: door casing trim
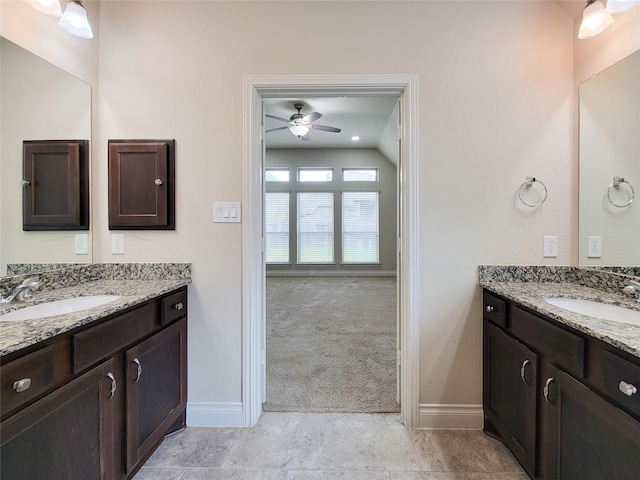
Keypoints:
pixel 253 269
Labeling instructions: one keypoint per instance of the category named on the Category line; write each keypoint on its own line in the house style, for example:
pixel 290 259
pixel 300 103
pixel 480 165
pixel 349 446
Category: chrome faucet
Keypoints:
pixel 633 289
pixel 21 292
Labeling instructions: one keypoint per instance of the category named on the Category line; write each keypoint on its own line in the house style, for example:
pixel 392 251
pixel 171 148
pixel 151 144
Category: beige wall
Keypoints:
pixel 495 105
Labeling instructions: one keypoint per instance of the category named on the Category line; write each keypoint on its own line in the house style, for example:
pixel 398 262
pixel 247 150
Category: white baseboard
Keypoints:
pixel 451 416
pixel 331 273
pixel 214 414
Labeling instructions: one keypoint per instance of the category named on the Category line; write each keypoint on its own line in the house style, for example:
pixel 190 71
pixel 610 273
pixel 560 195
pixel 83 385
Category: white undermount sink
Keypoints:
pixel 59 307
pixel 592 308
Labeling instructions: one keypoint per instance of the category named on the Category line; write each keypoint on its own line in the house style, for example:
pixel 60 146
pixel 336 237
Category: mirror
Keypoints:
pixel 610 147
pixel 39 101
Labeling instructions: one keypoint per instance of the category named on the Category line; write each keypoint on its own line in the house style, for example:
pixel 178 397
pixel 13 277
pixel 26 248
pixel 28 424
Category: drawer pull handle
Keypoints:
pixel 113 385
pixel 627 388
pixel 523 372
pixel 178 306
pixel 545 391
pixel 490 308
pixel 22 385
pixel 137 362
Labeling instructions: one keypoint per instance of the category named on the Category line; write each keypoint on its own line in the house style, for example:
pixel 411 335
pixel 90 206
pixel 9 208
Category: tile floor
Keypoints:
pixel 330 446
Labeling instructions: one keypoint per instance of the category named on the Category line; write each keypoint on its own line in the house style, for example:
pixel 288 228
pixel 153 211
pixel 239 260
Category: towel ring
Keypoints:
pixel 526 186
pixel 617 181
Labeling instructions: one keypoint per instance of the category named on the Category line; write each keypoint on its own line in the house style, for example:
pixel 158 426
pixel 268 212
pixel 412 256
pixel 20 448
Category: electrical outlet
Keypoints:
pixel 594 247
pixel 82 244
pixel 550 246
pixel 117 243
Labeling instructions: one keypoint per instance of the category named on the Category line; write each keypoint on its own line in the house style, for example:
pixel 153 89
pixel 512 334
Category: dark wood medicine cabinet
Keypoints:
pixel 55 185
pixel 141 184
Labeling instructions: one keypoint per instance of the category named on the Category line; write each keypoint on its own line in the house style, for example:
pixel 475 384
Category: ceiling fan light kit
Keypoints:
pixel 300 125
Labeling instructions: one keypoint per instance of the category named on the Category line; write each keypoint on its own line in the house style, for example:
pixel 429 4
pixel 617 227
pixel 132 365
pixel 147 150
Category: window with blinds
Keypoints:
pixel 315 227
pixel 276 210
pixel 360 227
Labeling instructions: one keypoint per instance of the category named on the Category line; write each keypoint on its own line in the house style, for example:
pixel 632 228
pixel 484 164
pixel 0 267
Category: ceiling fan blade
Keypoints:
pixel 277 118
pixel 306 137
pixel 313 116
pixel 276 129
pixel 324 128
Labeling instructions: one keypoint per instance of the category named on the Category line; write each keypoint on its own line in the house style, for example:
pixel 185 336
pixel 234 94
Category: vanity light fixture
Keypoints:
pixel 619 6
pixel 595 20
pixel 48 7
pixel 74 20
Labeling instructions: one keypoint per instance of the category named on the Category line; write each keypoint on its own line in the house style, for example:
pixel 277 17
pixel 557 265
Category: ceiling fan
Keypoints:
pixel 300 124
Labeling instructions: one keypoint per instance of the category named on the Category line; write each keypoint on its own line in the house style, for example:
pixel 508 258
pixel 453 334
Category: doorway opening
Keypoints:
pixel 330 250
pixel 254 272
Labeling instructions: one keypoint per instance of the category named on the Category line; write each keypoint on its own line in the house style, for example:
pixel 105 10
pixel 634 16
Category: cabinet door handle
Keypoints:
pixel 113 385
pixel 178 306
pixel 157 181
pixel 545 391
pixel 137 362
pixel 489 308
pixel 22 385
pixel 627 388
pixel 523 372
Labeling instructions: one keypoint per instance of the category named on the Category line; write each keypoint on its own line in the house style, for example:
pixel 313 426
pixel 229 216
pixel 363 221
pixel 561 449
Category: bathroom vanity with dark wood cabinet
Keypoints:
pixel 564 402
pixel 94 402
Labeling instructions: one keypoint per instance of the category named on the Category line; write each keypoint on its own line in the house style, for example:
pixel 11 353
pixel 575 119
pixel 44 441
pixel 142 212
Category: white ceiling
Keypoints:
pixel 365 117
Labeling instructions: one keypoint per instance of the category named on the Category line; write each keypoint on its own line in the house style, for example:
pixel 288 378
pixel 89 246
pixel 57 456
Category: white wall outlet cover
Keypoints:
pixel 82 243
pixel 594 247
pixel 117 243
pixel 550 246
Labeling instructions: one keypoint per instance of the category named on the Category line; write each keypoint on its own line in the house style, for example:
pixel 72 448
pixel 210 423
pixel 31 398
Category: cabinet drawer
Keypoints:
pixel 173 307
pixel 620 379
pixel 99 342
pixel 34 371
pixel 494 309
pixel 559 346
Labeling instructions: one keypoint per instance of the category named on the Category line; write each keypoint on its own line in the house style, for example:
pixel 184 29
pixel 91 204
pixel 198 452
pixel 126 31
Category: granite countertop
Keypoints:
pixel 15 335
pixel 532 295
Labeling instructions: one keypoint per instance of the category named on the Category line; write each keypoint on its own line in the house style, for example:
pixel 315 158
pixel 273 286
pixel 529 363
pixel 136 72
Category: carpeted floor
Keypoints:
pixel 331 344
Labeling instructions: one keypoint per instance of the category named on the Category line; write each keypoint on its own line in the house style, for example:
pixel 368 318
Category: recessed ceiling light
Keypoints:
pixel 355 138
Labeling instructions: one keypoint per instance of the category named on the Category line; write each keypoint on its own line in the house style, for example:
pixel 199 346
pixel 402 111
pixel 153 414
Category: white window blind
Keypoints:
pixel 277 227
pixel 360 227
pixel 315 227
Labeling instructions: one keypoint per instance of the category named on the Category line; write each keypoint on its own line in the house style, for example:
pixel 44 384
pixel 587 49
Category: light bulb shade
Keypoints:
pixel 48 7
pixel 299 130
pixel 595 20
pixel 74 20
pixel 619 6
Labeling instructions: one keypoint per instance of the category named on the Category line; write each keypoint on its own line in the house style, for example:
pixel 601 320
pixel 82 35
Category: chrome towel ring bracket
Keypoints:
pixel 619 185
pixel 525 191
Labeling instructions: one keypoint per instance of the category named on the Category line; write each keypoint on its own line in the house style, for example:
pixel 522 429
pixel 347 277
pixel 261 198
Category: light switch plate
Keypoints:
pixel 226 212
pixel 550 246
pixel 117 243
pixel 82 244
